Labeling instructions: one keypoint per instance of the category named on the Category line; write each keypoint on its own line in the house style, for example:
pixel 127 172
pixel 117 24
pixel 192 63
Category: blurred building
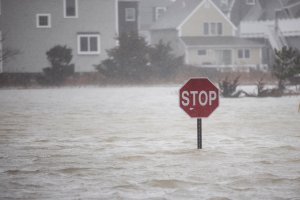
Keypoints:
pixel 234 34
pixel 206 36
pixel 276 21
pixel 150 12
pixel 89 27
pixel 224 34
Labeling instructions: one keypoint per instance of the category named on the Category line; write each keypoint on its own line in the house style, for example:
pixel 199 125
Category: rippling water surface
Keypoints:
pixel 135 143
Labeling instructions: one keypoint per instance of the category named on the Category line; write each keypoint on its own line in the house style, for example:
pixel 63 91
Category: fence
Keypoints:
pixel 288 27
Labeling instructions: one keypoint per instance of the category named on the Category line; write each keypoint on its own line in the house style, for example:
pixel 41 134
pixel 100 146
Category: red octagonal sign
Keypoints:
pixel 199 97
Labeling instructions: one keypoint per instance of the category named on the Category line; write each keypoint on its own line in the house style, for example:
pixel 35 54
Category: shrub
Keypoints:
pixel 129 60
pixel 135 61
pixel 59 58
pixel 228 88
pixel 163 63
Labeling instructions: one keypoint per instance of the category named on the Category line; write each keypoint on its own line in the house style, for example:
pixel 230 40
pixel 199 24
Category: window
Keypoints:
pixel 70 8
pixel 243 53
pixel 240 53
pixel 202 52
pixel 88 44
pixel 206 28
pixel 213 29
pixel 43 20
pixel 220 28
pixel 130 14
pixel 159 11
pixel 247 53
pixel 0 7
pixel 250 2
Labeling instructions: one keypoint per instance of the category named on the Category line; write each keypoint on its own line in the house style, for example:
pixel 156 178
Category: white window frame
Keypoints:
pixel 250 2
pixel 76 10
pixel 127 11
pixel 244 53
pixel 89 52
pixel 157 11
pixel 213 28
pixel 43 15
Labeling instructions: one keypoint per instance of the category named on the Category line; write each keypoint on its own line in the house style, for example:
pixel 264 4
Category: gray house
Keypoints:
pixel 89 27
pixel 204 34
pixel 229 34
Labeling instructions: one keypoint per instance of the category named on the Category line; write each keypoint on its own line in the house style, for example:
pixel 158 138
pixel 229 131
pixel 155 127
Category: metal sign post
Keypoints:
pixel 199 133
pixel 199 97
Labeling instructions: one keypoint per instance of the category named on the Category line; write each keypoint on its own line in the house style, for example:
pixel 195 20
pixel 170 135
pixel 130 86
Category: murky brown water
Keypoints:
pixel 135 143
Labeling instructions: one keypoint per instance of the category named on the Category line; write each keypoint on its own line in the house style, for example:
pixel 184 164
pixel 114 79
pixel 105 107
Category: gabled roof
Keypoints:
pixel 175 15
pixel 221 41
pixel 199 6
pixel 225 6
pixel 181 11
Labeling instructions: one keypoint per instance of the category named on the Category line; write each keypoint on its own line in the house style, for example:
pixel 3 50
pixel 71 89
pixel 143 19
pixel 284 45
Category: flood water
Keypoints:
pixel 136 143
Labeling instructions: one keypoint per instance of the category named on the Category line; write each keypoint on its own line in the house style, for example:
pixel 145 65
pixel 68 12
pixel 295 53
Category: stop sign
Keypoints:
pixel 199 97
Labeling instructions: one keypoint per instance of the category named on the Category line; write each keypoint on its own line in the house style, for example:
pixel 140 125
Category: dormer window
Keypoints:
pixel 130 14
pixel 212 29
pixel 159 11
pixel 250 2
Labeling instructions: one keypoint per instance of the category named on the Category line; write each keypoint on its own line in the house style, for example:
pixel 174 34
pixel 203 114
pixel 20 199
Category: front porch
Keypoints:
pixel 224 53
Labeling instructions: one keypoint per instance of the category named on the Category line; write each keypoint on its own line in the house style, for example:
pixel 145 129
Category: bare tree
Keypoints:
pixel 7 52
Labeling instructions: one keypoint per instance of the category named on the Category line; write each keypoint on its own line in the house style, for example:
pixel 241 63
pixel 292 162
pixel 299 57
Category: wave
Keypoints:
pixel 168 183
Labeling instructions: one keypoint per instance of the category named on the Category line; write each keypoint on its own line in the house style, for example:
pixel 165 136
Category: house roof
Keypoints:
pixel 147 11
pixel 266 10
pixel 221 41
pixel 225 6
pixel 181 11
pixel 239 10
pixel 294 7
pixel 176 14
pixel 269 8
